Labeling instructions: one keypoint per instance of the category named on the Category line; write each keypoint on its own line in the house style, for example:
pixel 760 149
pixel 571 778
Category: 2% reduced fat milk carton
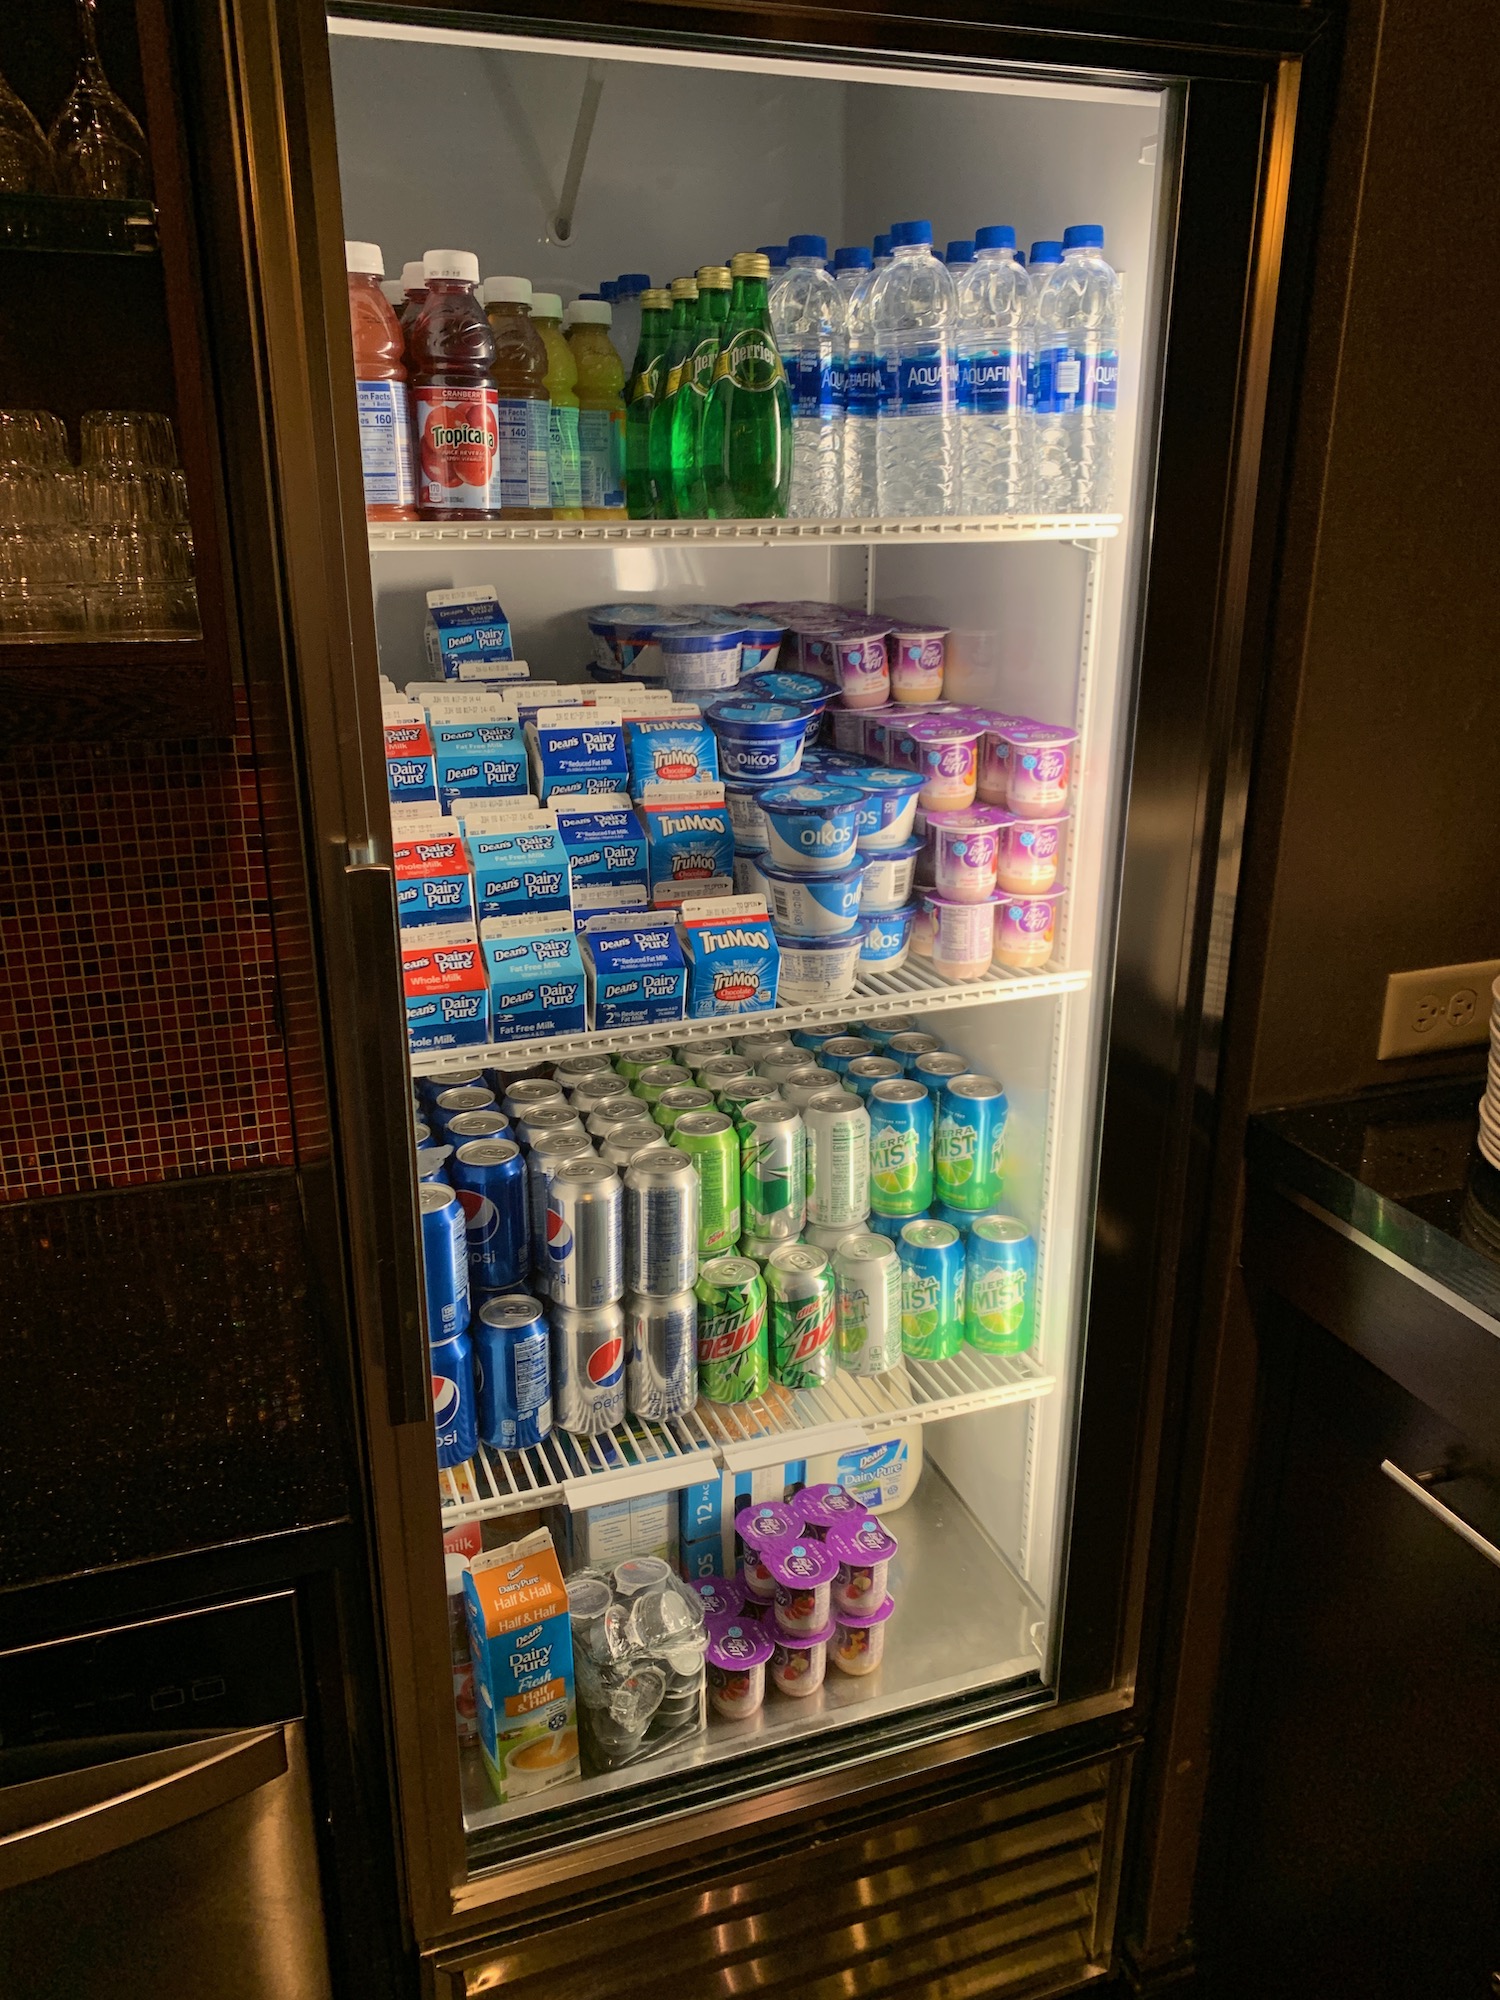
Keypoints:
pixel 522 1648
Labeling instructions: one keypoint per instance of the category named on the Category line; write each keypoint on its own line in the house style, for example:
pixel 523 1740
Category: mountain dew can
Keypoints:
pixel 900 1147
pixel 968 1148
pixel 1001 1312
pixel 773 1177
pixel 932 1290
pixel 657 1077
pixel 708 1138
pixel 733 1353
pixel 799 1288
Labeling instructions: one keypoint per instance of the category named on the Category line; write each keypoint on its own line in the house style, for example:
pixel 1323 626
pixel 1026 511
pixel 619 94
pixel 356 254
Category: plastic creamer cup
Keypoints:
pixel 814 970
pixel 886 818
pixel 887 941
pixel 948 759
pixel 918 656
pixel 814 905
pixel 736 1656
pixel 700 659
pixel 965 852
pixel 1040 769
pixel 888 879
pixel 861 664
pixel 757 739
pixel 1030 853
pixel 811 824
pixel 963 937
pixel 859 1639
pixel 865 1549
pixel 1025 927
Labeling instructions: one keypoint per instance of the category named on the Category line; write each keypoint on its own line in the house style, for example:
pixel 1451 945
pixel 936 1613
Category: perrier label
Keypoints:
pixel 747 429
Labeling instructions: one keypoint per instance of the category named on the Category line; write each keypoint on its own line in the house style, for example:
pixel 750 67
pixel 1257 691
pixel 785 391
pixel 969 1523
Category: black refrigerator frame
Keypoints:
pixel 1256 86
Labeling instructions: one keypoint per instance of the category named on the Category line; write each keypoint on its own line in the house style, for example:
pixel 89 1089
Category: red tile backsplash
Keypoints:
pixel 139 1029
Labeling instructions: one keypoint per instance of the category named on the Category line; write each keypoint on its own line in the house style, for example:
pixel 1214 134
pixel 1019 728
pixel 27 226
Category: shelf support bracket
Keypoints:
pixel 583 132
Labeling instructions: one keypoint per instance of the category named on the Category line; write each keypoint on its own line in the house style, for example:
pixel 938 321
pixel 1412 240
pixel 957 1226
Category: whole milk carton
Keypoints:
pixel 522 1648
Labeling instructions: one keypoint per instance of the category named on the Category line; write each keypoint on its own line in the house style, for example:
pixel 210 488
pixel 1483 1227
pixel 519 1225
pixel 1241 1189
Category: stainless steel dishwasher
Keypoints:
pixel 156 1821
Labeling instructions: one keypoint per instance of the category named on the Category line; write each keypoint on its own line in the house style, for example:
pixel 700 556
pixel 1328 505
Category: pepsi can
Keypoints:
pixel 432 1087
pixel 549 1120
pixel 661 1353
pixel 489 1179
pixel 432 1162
pixel 423 1132
pixel 445 1262
pixel 588 1367
pixel 513 1370
pixel 465 1097
pixel 585 1234
pixel 452 1365
pixel 467 1125
pixel 545 1157
pixel 840 1050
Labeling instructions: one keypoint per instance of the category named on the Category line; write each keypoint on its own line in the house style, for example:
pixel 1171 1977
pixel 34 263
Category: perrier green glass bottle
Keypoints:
pixel 747 431
pixel 689 496
pixel 679 346
pixel 647 381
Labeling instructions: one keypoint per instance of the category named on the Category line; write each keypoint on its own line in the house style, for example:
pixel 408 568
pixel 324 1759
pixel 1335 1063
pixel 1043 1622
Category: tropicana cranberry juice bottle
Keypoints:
pixel 453 396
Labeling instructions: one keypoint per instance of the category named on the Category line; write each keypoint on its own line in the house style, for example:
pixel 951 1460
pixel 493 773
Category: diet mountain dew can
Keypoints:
pixel 968 1148
pixel 711 1143
pixel 799 1286
pixel 867 1286
pixel 773 1170
pixel 932 1291
pixel 733 1357
pixel 671 1105
pixel 1001 1314
pixel 900 1148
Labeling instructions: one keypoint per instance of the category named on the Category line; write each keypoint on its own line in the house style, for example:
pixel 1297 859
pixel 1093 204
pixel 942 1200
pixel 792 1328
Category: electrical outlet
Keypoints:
pixel 1443 1007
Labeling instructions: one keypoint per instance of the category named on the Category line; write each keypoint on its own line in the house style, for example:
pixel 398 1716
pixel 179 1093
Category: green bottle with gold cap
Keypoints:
pixel 689 496
pixel 747 429
pixel 647 383
pixel 679 346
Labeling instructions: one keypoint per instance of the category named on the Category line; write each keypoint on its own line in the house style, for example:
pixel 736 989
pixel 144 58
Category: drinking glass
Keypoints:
pixel 141 609
pixel 99 147
pixel 33 437
pixel 47 611
pixel 26 162
pixel 127 437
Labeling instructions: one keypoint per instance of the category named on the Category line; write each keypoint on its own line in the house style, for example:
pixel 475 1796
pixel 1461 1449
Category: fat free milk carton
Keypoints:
pixel 536 977
pixel 521 1644
pixel 482 758
pixel 733 962
pixel 518 858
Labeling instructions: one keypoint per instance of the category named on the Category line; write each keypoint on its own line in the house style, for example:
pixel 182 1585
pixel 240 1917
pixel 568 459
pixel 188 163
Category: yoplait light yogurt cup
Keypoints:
pixel 815 970
pixel 799 1666
pixel 861 663
pixel 887 940
pixel 811 824
pixel 1025 928
pixel 804 1570
pixel 948 759
pixel 865 1549
pixel 888 879
pixel 859 1639
pixel 1030 853
pixel 965 847
pixel 963 937
pixel 758 740
pixel 736 1655
pixel 814 905
pixel 887 816
pixel 918 656
pixel 1040 769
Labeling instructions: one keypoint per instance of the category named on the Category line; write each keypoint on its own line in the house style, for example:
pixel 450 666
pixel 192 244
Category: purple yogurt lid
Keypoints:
pixel 827 1506
pixel 1037 735
pixel 863 1620
pixel 900 631
pixel 803 1564
pixel 866 1541
pixel 803 1642
pixel 735 1643
pixel 766 1523
pixel 720 1596
pixel 860 625
pixel 968 819
pixel 944 729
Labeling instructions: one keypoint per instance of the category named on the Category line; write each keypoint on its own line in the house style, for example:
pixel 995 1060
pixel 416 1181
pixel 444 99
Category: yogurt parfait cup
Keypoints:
pixel 816 970
pixel 862 665
pixel 888 878
pixel 813 905
pixel 1025 929
pixel 720 1596
pixel 700 659
pixel 1040 769
pixel 828 1505
pixel 923 924
pixel 757 739
pixel 736 1656
pixel 810 824
pixel 1030 853
pixel 887 941
pixel 865 1550
pixel 887 817
pixel 918 656
pixel 804 1571
pixel 799 1666
pixel 859 1639
pixel 965 852
pixel 948 759
pixel 963 937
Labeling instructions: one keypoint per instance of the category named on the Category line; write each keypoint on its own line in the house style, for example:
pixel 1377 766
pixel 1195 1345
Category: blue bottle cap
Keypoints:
pixel 775 252
pixel 1021 259
pixel 591 295
pixel 995 236
pixel 853 257
pixel 883 246
pixel 807 246
pixel 1084 236
pixel 910 232
pixel 632 281
pixel 609 291
pixel 960 252
pixel 1046 253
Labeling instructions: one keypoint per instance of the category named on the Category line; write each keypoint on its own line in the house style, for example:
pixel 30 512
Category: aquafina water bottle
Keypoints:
pixel 807 313
pixel 994 336
pixel 854 271
pixel 915 313
pixel 1077 373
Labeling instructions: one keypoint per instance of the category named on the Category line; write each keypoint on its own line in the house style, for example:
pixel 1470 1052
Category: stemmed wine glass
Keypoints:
pixel 99 147
pixel 26 164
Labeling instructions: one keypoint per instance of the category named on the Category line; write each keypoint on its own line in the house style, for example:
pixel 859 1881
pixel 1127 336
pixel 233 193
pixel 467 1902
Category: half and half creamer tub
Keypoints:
pixel 887 940
pixel 811 824
pixel 887 816
pixel 700 659
pixel 813 905
pixel 758 740
pixel 1025 929
pixel 817 969
pixel 1030 853
pixel 888 878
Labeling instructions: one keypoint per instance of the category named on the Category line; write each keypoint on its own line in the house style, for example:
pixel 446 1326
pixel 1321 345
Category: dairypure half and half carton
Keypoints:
pixel 689 842
pixel 521 1644
pixel 537 986
pixel 446 986
pixel 732 961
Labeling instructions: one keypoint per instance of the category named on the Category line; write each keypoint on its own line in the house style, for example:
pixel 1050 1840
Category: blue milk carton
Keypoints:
pixel 519 861
pixel 521 1644
pixel 673 747
pixel 733 963
pixel 480 759
pixel 536 977
pixel 606 853
pixel 574 751
pixel 465 624
pixel 636 973
pixel 689 842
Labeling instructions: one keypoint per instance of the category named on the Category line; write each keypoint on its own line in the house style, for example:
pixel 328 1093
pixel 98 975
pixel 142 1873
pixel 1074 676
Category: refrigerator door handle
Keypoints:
pixel 1455 1523
pixel 391 1162
pixel 149 1794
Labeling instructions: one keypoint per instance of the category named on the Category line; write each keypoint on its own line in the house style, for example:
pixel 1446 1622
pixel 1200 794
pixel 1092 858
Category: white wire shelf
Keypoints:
pixel 784 1424
pixel 915 989
pixel 390 537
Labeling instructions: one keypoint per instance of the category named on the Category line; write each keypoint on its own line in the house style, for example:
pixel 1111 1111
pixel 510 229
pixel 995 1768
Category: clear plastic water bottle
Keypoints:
pixel 855 273
pixel 626 305
pixel 915 312
pixel 808 314
pixel 959 252
pixel 851 264
pixel 1077 342
pixel 1051 480
pixel 995 306
pixel 882 250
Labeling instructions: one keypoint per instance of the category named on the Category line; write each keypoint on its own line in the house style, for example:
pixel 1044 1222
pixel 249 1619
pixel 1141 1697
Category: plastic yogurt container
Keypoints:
pixel 887 941
pixel 861 664
pixel 1030 853
pixel 814 970
pixel 922 926
pixel 849 730
pixel 762 1528
pixel 993 786
pixel 746 819
pixel 810 824
pixel 965 852
pixel 1025 927
pixel 865 1549
pixel 963 937
pixel 757 739
pixel 720 1596
pixel 918 655
pixel 799 689
pixel 700 659
pixel 760 640
pixel 813 905
pixel 736 1656
pixel 804 1571
pixel 859 1639
pixel 800 1666
pixel 826 1506
pixel 887 817
pixel 1040 769
pixel 948 758
pixel 888 878
pixel 635 635
pixel 749 877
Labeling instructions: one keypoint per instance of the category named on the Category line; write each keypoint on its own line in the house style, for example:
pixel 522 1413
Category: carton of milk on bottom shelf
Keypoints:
pixel 536 979
pixel 882 1475
pixel 733 962
pixel 446 986
pixel 522 1647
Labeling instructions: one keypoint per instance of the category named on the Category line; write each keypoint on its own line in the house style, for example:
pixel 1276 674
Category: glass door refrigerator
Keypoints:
pixel 616 1733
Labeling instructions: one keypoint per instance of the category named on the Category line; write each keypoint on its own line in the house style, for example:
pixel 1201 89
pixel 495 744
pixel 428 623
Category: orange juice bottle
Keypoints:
pixel 601 410
pixel 380 385
pixel 520 489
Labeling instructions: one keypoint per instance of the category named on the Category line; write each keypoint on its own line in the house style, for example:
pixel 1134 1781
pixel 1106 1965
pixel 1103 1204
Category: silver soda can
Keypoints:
pixel 693 1055
pixel 838 1157
pixel 867 1282
pixel 661 1353
pixel 528 1094
pixel 720 1069
pixel 780 1064
pixel 543 1161
pixel 618 1112
pixel 829 1235
pixel 804 1084
pixel 755 1047
pixel 773 1170
pixel 596 1091
pixel 661 1224
pixel 548 1121
pixel 584 1234
pixel 622 1145
pixel 588 1368
pixel 571 1072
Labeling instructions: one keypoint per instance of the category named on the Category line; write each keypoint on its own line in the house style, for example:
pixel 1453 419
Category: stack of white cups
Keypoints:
pixel 1489 1104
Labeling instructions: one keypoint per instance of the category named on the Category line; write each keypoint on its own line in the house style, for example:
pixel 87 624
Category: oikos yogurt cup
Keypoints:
pixel 1040 769
pixel 861 665
pixel 736 1656
pixel 888 878
pixel 810 824
pixel 887 941
pixel 963 937
pixel 965 852
pixel 700 659
pixel 865 1549
pixel 760 641
pixel 889 810
pixel 849 730
pixel 813 905
pixel 799 1666
pixel 749 876
pixel 948 759
pixel 814 970
pixel 918 655
pixel 746 819
pixel 804 1571
pixel 758 740
pixel 1030 853
pixel 1024 928
pixel 859 1639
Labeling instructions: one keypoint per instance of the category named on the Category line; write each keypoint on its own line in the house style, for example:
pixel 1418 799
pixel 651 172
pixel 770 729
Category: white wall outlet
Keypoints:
pixel 1443 1007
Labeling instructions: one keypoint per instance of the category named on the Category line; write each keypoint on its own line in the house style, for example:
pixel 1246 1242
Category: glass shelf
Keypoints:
pixel 74 226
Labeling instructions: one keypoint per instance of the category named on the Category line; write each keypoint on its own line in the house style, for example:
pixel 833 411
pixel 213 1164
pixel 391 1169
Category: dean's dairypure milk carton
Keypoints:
pixel 446 985
pixel 409 774
pixel 522 1648
pixel 636 972
pixel 519 860
pixel 433 883
pixel 478 758
pixel 537 987
pixel 465 625
pixel 576 751
pixel 689 842
pixel 733 963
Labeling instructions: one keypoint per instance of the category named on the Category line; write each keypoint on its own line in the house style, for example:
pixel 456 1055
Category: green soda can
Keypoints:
pixel 1001 1313
pixel 630 1063
pixel 732 1098
pixel 733 1353
pixel 773 1177
pixel 901 1124
pixel 658 1077
pixel 709 1140
pixel 932 1290
pixel 968 1146
pixel 670 1106
pixel 800 1293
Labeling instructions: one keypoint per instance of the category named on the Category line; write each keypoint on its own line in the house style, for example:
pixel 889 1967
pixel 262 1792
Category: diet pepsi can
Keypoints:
pixel 445 1262
pixel 453 1415
pixel 661 1225
pixel 661 1354
pixel 513 1371
pixel 467 1125
pixel 490 1182
pixel 568 1075
pixel 585 1257
pixel 463 1097
pixel 432 1162
pixel 588 1368
pixel 594 1092
pixel 545 1157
